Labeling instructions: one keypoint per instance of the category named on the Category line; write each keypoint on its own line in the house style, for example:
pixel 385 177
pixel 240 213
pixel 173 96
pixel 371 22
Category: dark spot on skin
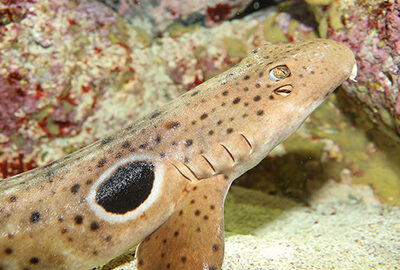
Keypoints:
pixel 244 115
pixel 212 207
pixel 186 160
pixel 162 155
pixel 205 217
pixel 101 162
pixel 260 74
pixel 78 219
pixel 271 97
pixel 256 98
pixel 34 260
pixel 194 93
pixel 172 125
pixel 70 239
pixel 194 188
pixel 143 145
pixel 203 116
pixel 10 235
pixel 183 259
pixel 75 188
pixel 176 233
pixel 64 230
pixel 168 265
pixel 154 115
pixel 192 201
pixel 246 77
pixel 266 57
pixel 203 100
pixel 173 143
pixel 60 219
pixel 260 112
pixel 94 226
pixel 95 252
pixel 188 142
pixel 258 85
pixel 225 93
pixel 236 100
pixel 8 251
pixel 312 72
pixel 215 247
pixel 13 198
pixel 118 155
pixel 162 255
pixel 158 139
pixel 181 212
pixel 108 238
pixel 223 104
pixel 35 217
pixel 212 267
pixel 211 132
pixel 165 241
pixel 141 262
pixel 126 145
pixel 219 122
pixel 229 130
pixel 194 122
pixel 246 104
pixel 197 212
pixel 246 89
pixel 127 188
pixel 106 140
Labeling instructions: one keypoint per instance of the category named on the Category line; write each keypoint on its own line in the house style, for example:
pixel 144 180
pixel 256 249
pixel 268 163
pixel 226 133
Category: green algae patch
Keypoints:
pixel 178 29
pixel 235 47
pixel 248 210
pixel 272 32
pixel 143 37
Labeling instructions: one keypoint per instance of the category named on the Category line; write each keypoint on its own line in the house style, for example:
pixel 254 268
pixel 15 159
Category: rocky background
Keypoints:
pixel 73 71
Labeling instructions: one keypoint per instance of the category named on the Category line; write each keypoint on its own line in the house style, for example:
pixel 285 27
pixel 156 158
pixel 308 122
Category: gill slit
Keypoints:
pixel 229 153
pixel 209 163
pixel 248 142
pixel 181 172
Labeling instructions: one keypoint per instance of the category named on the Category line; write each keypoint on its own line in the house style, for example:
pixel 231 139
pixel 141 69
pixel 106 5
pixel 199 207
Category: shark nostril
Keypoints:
pixel 283 91
pixel 279 73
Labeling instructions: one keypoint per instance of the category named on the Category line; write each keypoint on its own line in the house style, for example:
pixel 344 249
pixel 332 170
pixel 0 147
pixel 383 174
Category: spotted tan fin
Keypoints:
pixel 193 237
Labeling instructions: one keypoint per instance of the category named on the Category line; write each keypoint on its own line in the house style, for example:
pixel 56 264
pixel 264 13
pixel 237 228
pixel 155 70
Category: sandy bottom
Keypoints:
pixel 342 227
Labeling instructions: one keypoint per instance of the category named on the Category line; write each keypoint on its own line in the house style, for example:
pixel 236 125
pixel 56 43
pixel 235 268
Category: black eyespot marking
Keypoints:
pixel 13 198
pixel 127 188
pixel 101 162
pixel 94 226
pixel 75 188
pixel 35 217
pixel 236 100
pixel 203 116
pixel 189 142
pixel 78 219
pixel 34 260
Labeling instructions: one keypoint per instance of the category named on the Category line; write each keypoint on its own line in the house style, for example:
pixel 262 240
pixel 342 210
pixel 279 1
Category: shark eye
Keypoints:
pixel 279 73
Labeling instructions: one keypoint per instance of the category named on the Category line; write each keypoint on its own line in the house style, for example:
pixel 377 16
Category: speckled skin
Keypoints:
pixel 201 141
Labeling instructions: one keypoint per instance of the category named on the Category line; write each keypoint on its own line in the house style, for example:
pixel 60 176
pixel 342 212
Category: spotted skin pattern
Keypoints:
pixel 163 179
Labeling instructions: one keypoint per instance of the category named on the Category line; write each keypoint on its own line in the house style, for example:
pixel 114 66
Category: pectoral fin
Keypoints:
pixel 193 237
